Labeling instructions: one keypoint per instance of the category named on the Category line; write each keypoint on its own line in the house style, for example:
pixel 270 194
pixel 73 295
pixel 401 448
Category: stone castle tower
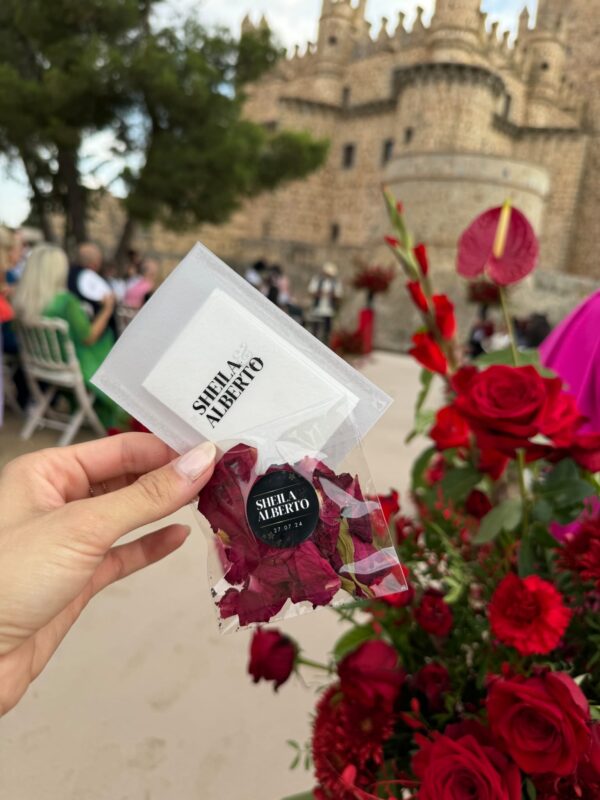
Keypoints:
pixel 455 117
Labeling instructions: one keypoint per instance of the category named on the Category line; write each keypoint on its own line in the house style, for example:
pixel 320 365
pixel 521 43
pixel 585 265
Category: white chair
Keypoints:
pixel 50 364
pixel 124 315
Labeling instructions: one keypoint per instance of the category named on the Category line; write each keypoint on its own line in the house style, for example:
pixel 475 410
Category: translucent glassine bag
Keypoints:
pixel 210 358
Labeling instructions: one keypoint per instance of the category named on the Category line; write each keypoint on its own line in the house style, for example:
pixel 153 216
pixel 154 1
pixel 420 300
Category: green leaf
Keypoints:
pixel 424 420
pixel 420 465
pixel 305 796
pixel 504 517
pixel 426 379
pixel 542 537
pixel 351 640
pixel 457 483
pixel 530 789
pixel 526 558
pixel 505 358
pixel 542 511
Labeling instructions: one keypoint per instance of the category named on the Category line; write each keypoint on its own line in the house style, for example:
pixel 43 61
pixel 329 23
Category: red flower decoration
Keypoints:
pixel 541 722
pixel 478 504
pixel 450 429
pixel 371 675
pixel 418 297
pixel 528 614
pixel 374 279
pixel 428 353
pixel 433 681
pixel 420 252
pixel 463 768
pixel 581 553
pixel 520 253
pixel 392 241
pixel 434 615
pixel 272 657
pixel 444 316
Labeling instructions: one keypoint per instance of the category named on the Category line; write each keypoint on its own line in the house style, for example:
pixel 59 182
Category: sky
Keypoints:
pixel 294 22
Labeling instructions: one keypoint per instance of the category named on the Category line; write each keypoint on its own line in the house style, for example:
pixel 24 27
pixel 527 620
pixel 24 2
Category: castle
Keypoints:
pixel 454 117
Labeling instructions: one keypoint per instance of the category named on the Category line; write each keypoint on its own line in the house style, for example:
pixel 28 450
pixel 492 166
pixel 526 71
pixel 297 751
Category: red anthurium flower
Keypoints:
pixel 420 252
pixel 417 295
pixel 450 429
pixel 528 614
pixel 428 353
pixel 272 657
pixel 518 256
pixel 444 316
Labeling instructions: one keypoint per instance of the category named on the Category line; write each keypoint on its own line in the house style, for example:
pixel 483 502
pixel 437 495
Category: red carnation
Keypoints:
pixel 434 615
pixel 464 768
pixel 420 252
pixel 371 675
pixel 541 722
pixel 428 353
pixel 418 297
pixel 478 504
pixel 581 553
pixel 272 657
pixel 528 614
pixel 433 681
pixel 450 429
pixel 444 316
pixel 519 254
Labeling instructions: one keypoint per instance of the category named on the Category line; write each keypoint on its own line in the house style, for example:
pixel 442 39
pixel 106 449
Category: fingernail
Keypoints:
pixel 193 464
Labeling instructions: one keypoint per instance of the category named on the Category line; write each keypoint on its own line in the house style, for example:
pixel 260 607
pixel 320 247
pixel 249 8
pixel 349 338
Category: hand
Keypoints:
pixel 108 302
pixel 61 512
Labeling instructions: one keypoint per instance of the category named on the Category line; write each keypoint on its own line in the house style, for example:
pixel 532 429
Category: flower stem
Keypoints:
pixel 307 662
pixel 509 326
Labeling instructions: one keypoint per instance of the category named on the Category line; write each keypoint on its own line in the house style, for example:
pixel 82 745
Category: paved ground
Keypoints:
pixel 146 701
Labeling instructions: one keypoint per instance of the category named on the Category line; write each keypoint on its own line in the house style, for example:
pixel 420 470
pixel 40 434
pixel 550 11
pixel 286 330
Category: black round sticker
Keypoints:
pixel 282 509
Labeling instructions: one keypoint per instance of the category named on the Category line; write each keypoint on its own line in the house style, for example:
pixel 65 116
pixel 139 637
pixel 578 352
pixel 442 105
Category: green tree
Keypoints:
pixel 170 97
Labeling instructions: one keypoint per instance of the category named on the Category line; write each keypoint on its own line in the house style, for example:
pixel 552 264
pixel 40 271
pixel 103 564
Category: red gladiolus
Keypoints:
pixel 370 675
pixel 476 248
pixel 444 316
pixel 392 241
pixel 450 429
pixel 272 657
pixel 400 206
pixel 428 353
pixel 418 296
pixel 528 614
pixel 420 252
pixel 434 615
pixel 541 722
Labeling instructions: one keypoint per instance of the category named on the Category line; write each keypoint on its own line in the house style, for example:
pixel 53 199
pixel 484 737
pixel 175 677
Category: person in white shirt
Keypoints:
pixel 326 291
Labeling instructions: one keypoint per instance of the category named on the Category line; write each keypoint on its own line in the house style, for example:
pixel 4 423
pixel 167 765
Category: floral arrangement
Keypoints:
pixel 373 278
pixel 350 548
pixel 481 681
pixel 347 343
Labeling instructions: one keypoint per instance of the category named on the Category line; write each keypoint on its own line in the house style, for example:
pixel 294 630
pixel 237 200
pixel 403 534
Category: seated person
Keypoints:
pixel 42 291
pixel 86 283
pixel 140 288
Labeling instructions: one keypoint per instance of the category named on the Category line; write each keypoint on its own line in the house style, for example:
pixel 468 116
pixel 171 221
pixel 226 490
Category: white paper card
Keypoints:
pixel 227 372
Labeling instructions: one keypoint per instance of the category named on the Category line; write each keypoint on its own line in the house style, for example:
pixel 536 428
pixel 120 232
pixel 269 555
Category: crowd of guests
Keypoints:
pixel 325 291
pixel 40 281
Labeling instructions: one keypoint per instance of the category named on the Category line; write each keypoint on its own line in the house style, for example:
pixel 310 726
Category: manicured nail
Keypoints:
pixel 194 463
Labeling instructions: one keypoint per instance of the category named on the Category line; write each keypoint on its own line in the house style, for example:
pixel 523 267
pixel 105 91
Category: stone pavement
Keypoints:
pixel 145 700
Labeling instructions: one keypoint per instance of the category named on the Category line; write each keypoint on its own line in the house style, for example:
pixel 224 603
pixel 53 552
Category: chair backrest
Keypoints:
pixel 45 345
pixel 124 315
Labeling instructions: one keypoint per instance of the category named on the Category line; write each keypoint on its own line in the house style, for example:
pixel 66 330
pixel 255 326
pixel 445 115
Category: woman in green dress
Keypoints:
pixel 42 292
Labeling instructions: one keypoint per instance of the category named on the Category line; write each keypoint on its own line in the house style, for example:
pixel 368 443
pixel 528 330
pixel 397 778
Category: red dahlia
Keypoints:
pixel 528 614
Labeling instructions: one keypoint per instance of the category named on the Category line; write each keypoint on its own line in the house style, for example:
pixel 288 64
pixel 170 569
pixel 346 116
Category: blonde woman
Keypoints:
pixel 42 291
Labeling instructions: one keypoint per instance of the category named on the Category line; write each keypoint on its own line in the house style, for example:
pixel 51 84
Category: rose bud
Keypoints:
pixel 272 657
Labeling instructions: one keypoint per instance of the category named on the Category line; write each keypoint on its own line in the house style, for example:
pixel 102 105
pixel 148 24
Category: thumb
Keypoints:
pixel 155 494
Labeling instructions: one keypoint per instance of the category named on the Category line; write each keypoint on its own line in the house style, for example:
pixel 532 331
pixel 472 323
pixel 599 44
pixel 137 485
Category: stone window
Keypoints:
pixel 334 233
pixel 408 135
pixel 348 156
pixel 387 151
pixel 545 66
pixel 332 40
pixel 346 92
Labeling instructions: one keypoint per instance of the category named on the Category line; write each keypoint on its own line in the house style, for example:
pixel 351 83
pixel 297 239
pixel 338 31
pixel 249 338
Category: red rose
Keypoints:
pixel 444 316
pixel 418 297
pixel 478 504
pixel 561 417
pixel 476 245
pixel 508 406
pixel 541 722
pixel 428 353
pixel 528 614
pixel 371 675
pixel 433 681
pixel 434 615
pixel 450 429
pixel 492 463
pixel 272 657
pixel 420 252
pixel 581 552
pixel 585 451
pixel 464 769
